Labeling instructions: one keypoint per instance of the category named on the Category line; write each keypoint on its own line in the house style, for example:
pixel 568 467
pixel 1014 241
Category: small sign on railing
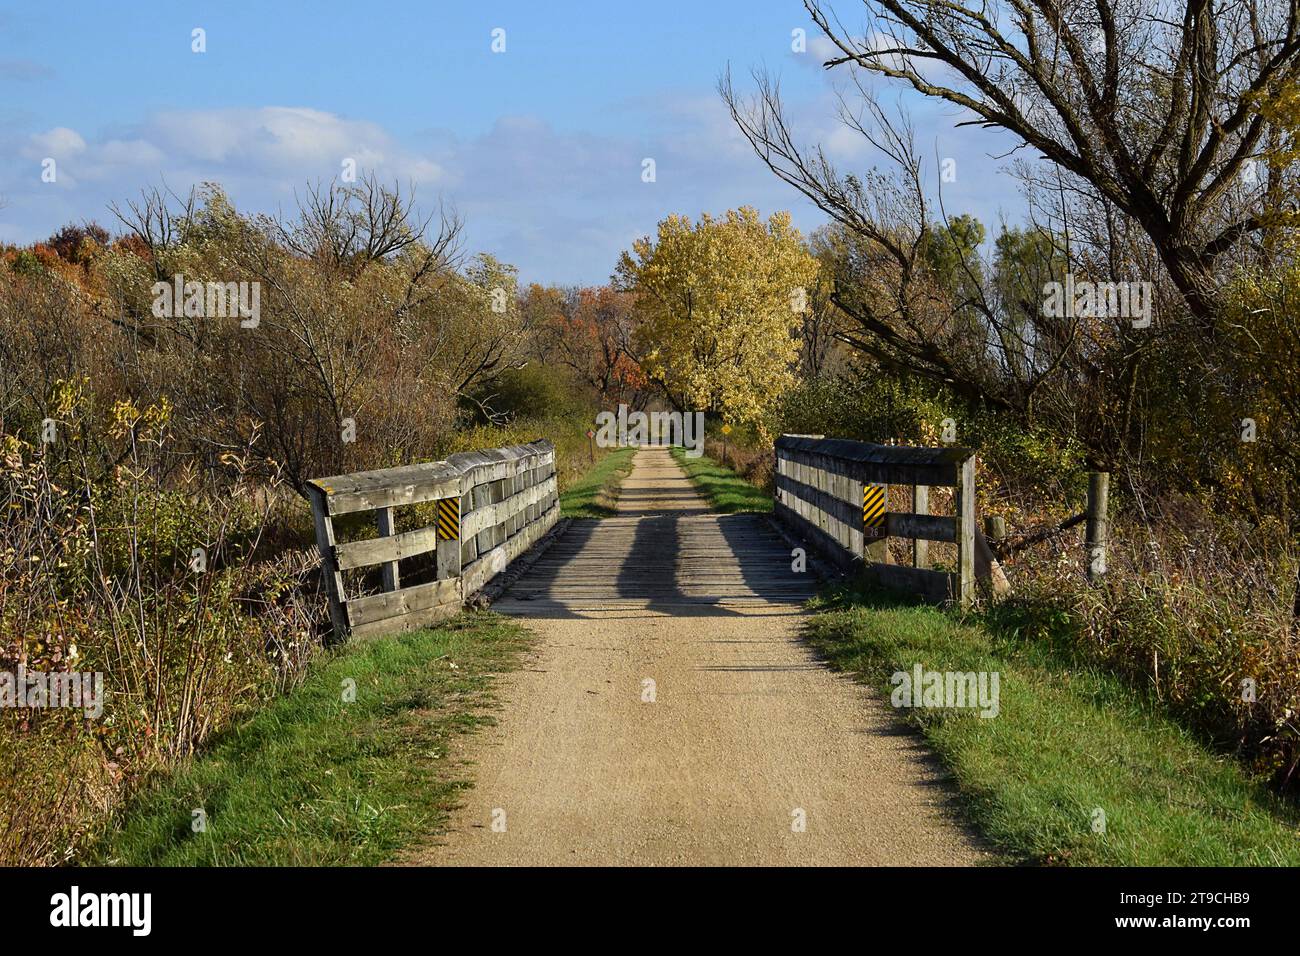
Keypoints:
pixel 449 519
pixel 873 510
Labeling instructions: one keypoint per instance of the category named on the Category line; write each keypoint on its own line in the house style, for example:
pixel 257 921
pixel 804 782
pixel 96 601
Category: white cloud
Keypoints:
pixel 560 204
pixel 821 48
pixel 59 142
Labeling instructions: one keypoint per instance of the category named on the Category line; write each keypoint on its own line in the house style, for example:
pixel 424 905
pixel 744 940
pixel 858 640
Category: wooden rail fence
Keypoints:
pixel 488 507
pixel 835 494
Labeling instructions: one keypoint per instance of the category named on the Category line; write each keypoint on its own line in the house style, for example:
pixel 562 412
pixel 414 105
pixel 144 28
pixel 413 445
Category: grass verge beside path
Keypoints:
pixel 724 490
pixel 1068 742
pixel 315 780
pixel 596 492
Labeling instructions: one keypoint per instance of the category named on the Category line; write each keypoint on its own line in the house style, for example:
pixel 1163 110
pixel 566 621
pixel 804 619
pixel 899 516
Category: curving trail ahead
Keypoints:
pixel 746 728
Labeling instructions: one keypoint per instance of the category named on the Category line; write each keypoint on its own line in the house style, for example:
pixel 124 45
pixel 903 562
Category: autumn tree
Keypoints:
pixel 592 333
pixel 373 333
pixel 720 304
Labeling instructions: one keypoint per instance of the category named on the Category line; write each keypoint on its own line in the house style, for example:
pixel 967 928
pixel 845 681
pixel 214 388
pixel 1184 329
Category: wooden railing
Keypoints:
pixel 834 493
pixel 482 510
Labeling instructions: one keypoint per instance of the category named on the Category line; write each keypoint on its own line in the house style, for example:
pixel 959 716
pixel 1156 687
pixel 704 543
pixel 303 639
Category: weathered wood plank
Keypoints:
pixel 413 484
pixel 378 607
pixel 372 551
pixel 409 621
pixel 923 526
pixel 965 501
pixel 934 586
pixel 329 569
pixel 492 515
pixel 386 493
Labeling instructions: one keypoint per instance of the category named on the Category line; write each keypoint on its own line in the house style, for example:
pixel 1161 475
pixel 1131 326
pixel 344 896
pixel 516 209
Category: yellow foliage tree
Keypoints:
pixel 720 304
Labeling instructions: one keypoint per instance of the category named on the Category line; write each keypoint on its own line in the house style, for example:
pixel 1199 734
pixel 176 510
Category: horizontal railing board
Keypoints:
pixel 414 484
pixel 409 621
pixel 845 511
pixel 378 607
pixel 489 516
pixel 949 456
pixel 879 464
pixel 881 473
pixel 926 527
pixel 384 494
pixel 372 551
pixel 934 586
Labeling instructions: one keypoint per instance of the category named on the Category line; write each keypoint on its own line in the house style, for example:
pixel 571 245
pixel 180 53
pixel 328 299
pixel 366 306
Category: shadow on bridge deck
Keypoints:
pixel 684 562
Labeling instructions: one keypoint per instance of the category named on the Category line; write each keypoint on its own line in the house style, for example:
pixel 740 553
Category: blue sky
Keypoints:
pixel 540 148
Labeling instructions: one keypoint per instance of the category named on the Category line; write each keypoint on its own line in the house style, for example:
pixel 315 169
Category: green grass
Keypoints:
pixel 1067 740
pixel 725 490
pixel 593 494
pixel 313 780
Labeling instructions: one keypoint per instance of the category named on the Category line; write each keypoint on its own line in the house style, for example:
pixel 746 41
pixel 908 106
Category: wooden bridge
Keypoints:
pixel 444 530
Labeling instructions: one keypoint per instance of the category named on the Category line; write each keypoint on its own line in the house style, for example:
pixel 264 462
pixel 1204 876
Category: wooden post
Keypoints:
pixel 877 549
pixel 1098 524
pixel 995 527
pixel 920 506
pixel 449 548
pixel 384 521
pixel 329 569
pixel 966 533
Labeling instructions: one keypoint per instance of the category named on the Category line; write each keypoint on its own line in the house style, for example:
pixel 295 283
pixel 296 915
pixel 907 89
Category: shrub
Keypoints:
pixel 183 646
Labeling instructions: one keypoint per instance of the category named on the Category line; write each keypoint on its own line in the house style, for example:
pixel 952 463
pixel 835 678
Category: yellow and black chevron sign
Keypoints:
pixel 873 510
pixel 449 519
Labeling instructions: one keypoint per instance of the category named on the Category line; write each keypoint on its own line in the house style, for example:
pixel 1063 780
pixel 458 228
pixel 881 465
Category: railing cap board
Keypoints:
pixel 359 485
pixel 871 453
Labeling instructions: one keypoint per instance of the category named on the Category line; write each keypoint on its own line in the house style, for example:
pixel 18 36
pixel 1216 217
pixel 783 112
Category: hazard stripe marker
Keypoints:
pixel 449 519
pixel 873 507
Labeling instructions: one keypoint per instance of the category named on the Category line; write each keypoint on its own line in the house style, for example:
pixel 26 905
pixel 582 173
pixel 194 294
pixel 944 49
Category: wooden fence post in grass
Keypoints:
pixel 921 506
pixel 329 568
pixel 966 533
pixel 995 527
pixel 1098 526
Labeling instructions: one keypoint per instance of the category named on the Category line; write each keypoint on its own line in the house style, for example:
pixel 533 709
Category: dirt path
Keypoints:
pixel 745 735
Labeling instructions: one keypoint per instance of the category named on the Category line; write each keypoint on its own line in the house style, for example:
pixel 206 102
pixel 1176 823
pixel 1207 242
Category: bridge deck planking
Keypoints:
pixel 662 558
